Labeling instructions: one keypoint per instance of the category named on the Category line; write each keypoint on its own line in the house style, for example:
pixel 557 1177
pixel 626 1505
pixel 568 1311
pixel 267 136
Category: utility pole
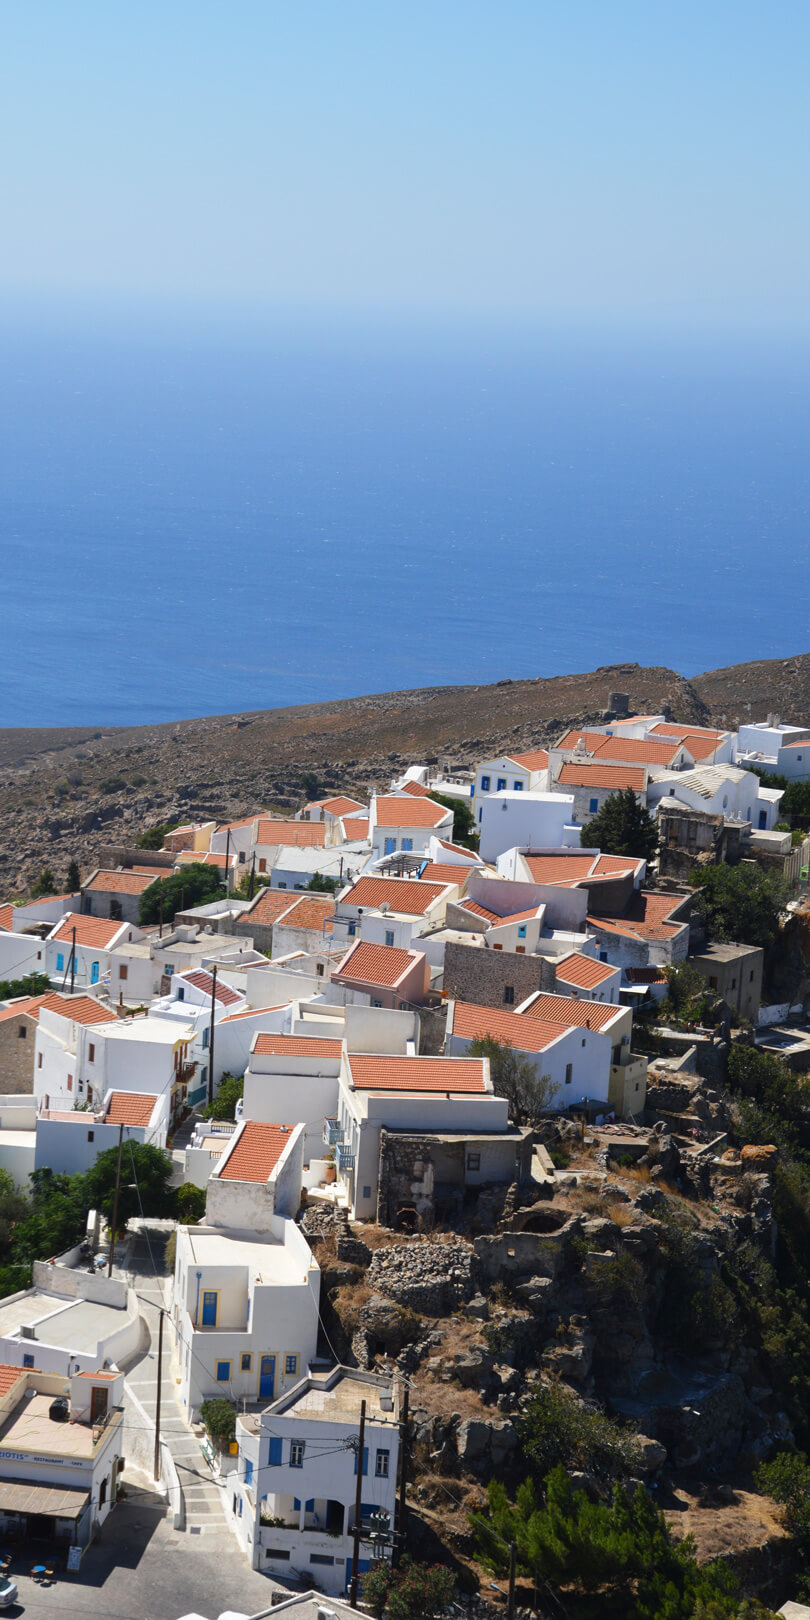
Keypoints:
pixel 510 1602
pixel 227 858
pixel 252 876
pixel 399 1540
pixel 358 1502
pixel 211 1034
pixel 73 961
pixel 157 1397
pixel 114 1227
pixel 160 910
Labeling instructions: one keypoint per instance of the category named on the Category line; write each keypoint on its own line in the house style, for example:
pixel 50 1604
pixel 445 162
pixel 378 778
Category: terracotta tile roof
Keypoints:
pixel 407 895
pixel 559 868
pixel 339 806
pixel 250 1012
pixel 296 834
pixel 355 828
pixel 246 821
pixel 804 744
pixel 297 1046
pixel 494 918
pixel 416 790
pixel 537 761
pixel 366 963
pixel 203 980
pixel 310 911
pixel 524 1034
pixel 588 739
pixel 153 871
pixel 702 744
pixel 647 975
pixel 583 971
pixel 369 1073
pixel 80 1009
pixel 121 882
pixel 435 872
pixel 405 811
pixel 25 1007
pixel 586 774
pixel 647 916
pixel 130 1108
pixel 269 905
pixel 9 1376
pixel 636 751
pixel 207 857
pixel 568 1011
pixel 254 1151
pixel 608 864
pixel 6 917
pixel 459 849
pixel 92 931
pixel 665 728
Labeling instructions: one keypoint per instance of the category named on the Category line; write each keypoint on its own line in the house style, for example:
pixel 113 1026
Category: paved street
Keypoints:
pixel 142 1569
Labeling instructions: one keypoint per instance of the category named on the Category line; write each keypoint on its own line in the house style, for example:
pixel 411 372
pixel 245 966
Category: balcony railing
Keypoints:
pixel 344 1158
pixel 332 1132
pixel 185 1074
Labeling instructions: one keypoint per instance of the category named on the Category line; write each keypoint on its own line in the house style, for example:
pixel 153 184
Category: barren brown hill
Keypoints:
pixel 66 792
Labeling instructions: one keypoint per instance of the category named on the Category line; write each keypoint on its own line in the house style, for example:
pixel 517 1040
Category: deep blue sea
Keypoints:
pixel 200 517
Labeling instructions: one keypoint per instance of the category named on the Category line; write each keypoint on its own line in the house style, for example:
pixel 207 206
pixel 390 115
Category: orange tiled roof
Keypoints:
pixel 458 849
pixel 416 790
pixel 355 828
pixel 92 931
pixel 583 971
pixel 574 737
pixel 635 750
pixel 647 916
pixel 269 905
pixel 371 1073
pixel 587 774
pixel 296 1046
pixel 567 1010
pixel 524 1034
pixel 120 882
pixel 559 868
pixel 645 975
pixel 298 834
pixel 399 810
pixel 366 963
pixel 251 1012
pixel 204 857
pixel 309 911
pixel 255 1152
pixel 341 805
pixel 26 1006
pixel 9 1376
pixel 81 1009
pixel 606 865
pixel 408 895
pixel 6 917
pixel 203 980
pixel 435 872
pixel 665 728
pixel 130 1108
pixel 536 761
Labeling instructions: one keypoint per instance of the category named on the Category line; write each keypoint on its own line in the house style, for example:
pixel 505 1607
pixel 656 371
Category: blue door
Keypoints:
pixel 94 973
pixel 267 1377
pixel 209 1316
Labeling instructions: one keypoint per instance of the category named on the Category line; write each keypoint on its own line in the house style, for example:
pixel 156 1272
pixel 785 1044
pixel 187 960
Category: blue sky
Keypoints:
pixel 586 159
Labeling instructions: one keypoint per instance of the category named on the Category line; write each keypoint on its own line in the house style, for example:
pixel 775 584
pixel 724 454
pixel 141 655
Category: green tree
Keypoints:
pixel 688 997
pixel 193 885
pixel 34 984
pixel 740 903
pixel 464 829
pixel 786 1478
pixel 189 1204
pixel 231 1088
pixel 56 1218
pixel 622 827
pixel 312 786
pixel 409 1592
pixel 74 878
pixel 219 1417
pixel 557 1428
pixel 528 1093
pixel 323 885
pixel 146 1172
pixel 43 885
pixel 154 837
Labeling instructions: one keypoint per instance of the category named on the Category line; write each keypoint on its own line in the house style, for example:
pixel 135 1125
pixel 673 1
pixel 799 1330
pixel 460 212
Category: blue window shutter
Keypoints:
pixel 60 961
pixel 310 1505
pixel 297 1504
pixel 248 1471
pixel 365 1460
pixel 275 1452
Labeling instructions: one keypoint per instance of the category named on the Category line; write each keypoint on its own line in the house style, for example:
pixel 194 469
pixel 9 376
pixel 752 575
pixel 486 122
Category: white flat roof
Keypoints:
pixel 68 1324
pixel 269 1260
pixel 147 1029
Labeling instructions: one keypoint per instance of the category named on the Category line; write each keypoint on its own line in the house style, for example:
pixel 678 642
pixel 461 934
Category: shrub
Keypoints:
pixel 219 1417
pixel 410 1592
pixel 189 1203
pixel 231 1089
pixel 557 1428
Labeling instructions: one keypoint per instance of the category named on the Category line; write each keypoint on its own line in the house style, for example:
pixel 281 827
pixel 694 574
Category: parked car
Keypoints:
pixel 8 1592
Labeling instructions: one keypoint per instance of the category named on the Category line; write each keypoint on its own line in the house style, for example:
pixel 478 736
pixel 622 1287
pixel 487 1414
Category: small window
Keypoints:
pixel 584 1038
pixel 751 980
pixel 497 947
pixel 205 1035
pixel 501 784
pixel 123 971
pixel 520 950
pixel 223 1372
pixel 297 1453
pixel 91 1052
pixel 352 930
pixel 480 815
pixel 569 1073
pixel 593 806
pixel 22 1032
pixel 522 931
pixel 407 843
pixel 509 995
pixel 375 1003
pixel 248 1471
pixel 102 1495
pixel 262 864
pixel 389 936
pixel 473 1163
pixel 366 1192
pixel 734 984
pixel 91 1136
pixel 383 1460
pixel 28 1361
pixel 485 784
pixel 518 786
pixel 181 994
pixel 70 1082
pixel 290 1366
pixel 246 1361
pixel 321 1558
pixel 39 1060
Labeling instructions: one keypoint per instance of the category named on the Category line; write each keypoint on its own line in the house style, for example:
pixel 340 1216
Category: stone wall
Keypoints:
pixel 473 974
pixel 17 1056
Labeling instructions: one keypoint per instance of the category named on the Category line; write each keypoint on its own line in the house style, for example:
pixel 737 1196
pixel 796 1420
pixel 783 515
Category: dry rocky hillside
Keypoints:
pixel 68 792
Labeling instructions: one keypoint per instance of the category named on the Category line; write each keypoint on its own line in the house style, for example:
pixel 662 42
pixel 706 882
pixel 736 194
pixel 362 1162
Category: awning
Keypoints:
pixel 21 1496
